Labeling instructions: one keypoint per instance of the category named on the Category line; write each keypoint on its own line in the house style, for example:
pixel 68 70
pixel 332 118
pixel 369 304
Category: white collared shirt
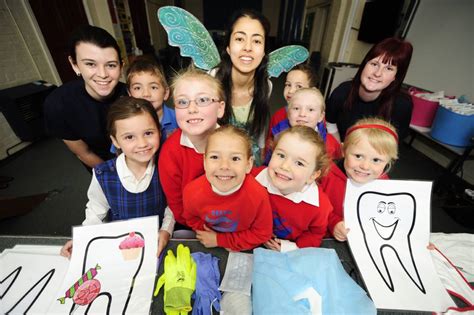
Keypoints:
pixel 98 206
pixel 309 194
pixel 186 142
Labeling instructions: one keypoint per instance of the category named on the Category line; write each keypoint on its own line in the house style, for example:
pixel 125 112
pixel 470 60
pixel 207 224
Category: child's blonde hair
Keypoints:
pixel 382 136
pixel 194 73
pixel 235 133
pixel 314 91
pixel 147 65
pixel 308 71
pixel 312 137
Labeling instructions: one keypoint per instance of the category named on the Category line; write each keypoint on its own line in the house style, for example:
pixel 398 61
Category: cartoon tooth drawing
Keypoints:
pixel 387 221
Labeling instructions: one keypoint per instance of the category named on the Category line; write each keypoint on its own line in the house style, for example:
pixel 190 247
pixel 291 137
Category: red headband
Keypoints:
pixel 381 127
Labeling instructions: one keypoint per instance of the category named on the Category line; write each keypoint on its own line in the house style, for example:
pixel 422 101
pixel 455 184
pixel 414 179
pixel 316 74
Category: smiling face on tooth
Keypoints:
pixel 99 67
pixel 195 121
pixel 386 228
pixel 138 137
pixel 247 45
pixel 226 161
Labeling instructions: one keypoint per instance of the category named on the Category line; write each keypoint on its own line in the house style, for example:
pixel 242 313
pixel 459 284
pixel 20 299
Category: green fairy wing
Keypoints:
pixel 186 32
pixel 285 58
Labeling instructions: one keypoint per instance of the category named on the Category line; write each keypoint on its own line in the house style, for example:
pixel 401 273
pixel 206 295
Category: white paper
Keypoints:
pixel 389 222
pixel 125 285
pixel 35 249
pixel 28 281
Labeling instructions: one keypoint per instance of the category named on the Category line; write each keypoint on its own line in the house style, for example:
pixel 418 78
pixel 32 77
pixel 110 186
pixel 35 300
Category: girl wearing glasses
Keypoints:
pixel 198 105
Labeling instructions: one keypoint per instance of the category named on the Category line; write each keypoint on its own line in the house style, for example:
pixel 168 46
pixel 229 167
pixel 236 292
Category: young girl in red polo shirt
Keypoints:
pixel 198 101
pixel 300 208
pixel 226 206
pixel 370 148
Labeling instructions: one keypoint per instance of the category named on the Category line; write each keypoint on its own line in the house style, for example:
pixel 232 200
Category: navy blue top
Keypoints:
pixel 124 204
pixel 336 113
pixel 72 114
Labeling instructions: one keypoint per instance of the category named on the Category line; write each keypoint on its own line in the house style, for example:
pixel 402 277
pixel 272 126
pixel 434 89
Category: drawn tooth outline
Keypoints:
pixel 399 241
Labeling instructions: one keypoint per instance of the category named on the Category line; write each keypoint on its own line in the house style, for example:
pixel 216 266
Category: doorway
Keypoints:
pixel 57 19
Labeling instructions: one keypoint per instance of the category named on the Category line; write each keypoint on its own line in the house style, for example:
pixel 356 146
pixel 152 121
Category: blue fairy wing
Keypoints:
pixel 285 58
pixel 186 32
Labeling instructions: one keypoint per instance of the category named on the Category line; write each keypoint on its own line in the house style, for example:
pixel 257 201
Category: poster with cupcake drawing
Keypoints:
pixel 112 269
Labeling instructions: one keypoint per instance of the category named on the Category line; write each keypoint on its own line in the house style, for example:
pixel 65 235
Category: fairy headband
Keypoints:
pixel 187 32
pixel 373 126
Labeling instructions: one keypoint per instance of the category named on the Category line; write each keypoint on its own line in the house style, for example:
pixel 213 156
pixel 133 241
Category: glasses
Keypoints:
pixel 203 101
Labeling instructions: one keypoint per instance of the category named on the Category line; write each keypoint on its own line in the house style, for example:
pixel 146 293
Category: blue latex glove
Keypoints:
pixel 207 284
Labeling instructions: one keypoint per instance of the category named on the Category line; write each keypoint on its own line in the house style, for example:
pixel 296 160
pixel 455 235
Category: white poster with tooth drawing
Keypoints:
pixel 389 222
pixel 112 269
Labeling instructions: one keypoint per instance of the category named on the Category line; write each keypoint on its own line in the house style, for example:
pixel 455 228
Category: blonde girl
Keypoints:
pixel 300 208
pixel 198 100
pixel 370 148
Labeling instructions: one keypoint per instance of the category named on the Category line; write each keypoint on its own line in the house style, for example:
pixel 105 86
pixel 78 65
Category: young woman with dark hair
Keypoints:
pixel 374 91
pixel 76 111
pixel 243 73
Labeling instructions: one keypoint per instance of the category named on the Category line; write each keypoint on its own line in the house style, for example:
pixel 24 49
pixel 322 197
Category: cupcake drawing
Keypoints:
pixel 131 246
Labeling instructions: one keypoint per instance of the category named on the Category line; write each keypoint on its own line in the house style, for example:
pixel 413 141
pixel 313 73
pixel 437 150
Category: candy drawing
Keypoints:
pixel 131 246
pixel 85 290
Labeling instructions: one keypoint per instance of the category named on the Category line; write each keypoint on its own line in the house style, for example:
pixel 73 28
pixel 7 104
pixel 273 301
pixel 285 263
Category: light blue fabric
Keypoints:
pixel 278 277
pixel 207 284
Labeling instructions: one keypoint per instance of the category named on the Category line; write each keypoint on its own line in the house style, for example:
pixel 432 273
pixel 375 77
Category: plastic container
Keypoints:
pixel 453 128
pixel 424 111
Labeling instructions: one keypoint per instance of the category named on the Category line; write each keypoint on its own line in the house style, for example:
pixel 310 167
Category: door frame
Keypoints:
pixel 42 43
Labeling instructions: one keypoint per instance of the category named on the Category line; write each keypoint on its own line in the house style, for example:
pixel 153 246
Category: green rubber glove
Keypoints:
pixel 179 279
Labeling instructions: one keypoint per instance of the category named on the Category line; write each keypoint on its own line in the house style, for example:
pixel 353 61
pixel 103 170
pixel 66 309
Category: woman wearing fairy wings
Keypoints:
pixel 243 73
pixel 244 69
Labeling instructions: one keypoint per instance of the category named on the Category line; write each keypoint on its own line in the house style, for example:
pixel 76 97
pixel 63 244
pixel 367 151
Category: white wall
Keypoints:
pixel 442 34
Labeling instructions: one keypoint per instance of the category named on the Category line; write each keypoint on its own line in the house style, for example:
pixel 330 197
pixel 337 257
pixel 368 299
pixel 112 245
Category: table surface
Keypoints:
pixel 7 241
pixel 426 133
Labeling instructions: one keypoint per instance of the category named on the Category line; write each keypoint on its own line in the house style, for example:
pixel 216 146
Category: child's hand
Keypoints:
pixel 66 250
pixel 273 243
pixel 163 240
pixel 340 232
pixel 208 237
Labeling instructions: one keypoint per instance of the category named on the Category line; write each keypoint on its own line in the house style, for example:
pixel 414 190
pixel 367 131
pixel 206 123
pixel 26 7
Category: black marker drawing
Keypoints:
pixel 18 306
pixel 13 274
pixel 387 221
